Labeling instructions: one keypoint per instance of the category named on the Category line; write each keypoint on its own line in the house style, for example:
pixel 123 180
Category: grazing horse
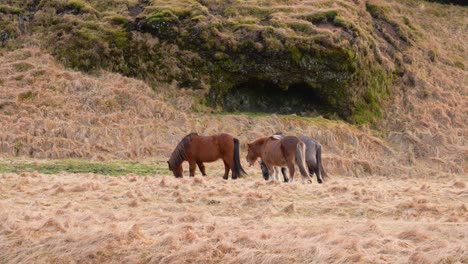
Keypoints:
pixel 198 149
pixel 280 152
pixel 313 160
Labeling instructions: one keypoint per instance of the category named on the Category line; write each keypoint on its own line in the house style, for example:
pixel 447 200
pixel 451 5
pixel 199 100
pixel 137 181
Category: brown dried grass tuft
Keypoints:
pixel 413 235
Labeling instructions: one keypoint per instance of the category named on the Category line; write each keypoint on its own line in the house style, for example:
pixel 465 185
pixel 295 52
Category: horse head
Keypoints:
pixel 176 170
pixel 253 151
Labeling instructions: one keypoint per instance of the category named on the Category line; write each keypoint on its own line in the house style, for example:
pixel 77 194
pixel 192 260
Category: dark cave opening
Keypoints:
pixel 267 97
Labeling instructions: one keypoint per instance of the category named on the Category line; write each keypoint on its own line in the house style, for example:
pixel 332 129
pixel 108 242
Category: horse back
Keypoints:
pixel 210 148
pixel 272 152
pixel 311 148
pixel 289 144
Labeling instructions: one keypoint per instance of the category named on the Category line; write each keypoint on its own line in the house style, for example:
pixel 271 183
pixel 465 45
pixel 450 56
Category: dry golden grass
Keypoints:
pixel 429 119
pixel 50 112
pixel 94 219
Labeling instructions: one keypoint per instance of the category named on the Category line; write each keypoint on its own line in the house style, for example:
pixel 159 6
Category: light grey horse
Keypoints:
pixel 313 160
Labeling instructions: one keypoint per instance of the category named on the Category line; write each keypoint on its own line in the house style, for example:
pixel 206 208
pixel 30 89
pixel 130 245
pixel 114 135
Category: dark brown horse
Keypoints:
pixel 313 160
pixel 198 149
pixel 277 152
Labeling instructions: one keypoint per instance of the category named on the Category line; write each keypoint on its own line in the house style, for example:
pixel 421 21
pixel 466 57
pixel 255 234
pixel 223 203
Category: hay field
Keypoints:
pixel 87 218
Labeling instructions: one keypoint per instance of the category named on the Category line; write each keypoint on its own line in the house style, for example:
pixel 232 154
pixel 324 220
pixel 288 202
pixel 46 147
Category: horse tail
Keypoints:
pixel 319 163
pixel 300 159
pixel 237 171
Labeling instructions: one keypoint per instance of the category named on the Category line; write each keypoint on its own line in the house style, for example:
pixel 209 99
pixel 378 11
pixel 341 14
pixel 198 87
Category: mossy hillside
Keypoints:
pixel 9 25
pixel 285 69
pixel 223 46
pixel 87 39
pixel 67 6
pixel 240 51
pixel 454 2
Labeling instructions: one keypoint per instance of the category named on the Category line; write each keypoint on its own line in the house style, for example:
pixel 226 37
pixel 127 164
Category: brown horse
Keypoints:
pixel 313 159
pixel 198 149
pixel 278 151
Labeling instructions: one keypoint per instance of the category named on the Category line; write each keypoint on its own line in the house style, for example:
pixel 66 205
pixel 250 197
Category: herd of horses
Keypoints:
pixel 275 153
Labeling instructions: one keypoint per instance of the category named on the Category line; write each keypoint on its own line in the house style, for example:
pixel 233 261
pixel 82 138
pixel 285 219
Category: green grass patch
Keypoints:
pixel 375 10
pixel 322 17
pixel 23 66
pixel 249 114
pixel 114 168
pixel 315 120
pixel 117 19
pixel 459 65
pixel 26 96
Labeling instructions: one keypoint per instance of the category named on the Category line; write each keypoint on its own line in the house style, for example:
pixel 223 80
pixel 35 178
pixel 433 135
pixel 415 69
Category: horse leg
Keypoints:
pixel 201 167
pixel 318 174
pixel 192 167
pixel 229 165
pixel 271 172
pixel 313 167
pixel 292 169
pixel 284 171
pixel 226 170
pixel 276 174
pixel 311 171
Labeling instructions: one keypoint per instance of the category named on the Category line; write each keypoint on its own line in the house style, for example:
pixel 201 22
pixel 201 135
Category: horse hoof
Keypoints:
pixel 225 178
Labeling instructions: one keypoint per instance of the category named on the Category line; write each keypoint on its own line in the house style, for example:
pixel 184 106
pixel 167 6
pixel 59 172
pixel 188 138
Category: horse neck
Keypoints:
pixel 260 143
pixel 177 157
pixel 175 161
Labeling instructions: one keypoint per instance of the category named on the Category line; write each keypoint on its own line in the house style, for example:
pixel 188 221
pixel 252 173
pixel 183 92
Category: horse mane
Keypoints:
pixel 178 155
pixel 278 137
pixel 259 141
